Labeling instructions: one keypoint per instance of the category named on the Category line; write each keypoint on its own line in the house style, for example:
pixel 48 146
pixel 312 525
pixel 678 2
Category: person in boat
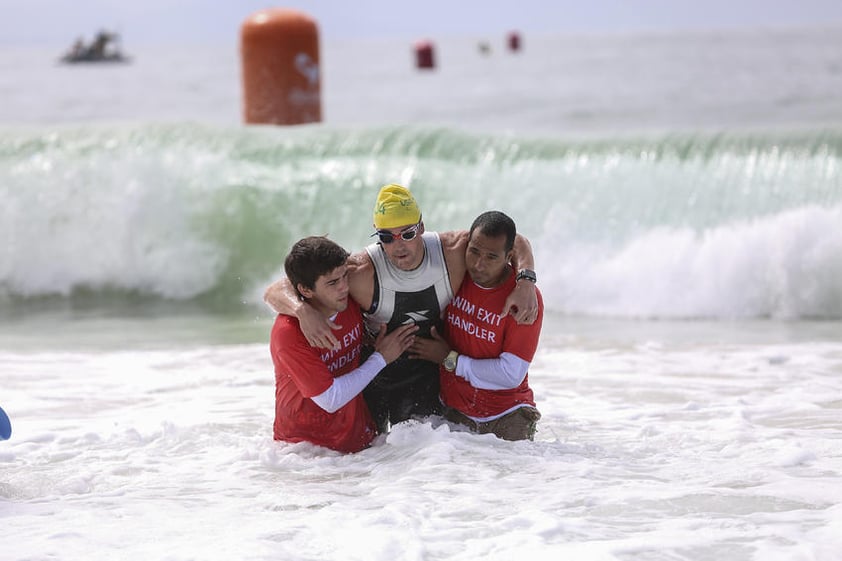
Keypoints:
pixel 485 357
pixel 318 394
pixel 99 48
pixel 407 277
pixel 78 48
pixel 103 48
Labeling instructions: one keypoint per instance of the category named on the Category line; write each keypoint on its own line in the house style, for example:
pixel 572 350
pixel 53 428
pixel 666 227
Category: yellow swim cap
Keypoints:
pixel 395 207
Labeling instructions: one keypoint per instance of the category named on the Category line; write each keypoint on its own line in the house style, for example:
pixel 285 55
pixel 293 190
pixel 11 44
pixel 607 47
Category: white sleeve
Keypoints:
pixel 502 373
pixel 346 387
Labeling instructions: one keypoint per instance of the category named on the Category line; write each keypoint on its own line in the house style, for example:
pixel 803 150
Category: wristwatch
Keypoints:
pixel 527 274
pixel 450 361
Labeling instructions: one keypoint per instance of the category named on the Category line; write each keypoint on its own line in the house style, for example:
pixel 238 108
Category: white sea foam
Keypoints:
pixel 170 212
pixel 649 446
pixel 786 265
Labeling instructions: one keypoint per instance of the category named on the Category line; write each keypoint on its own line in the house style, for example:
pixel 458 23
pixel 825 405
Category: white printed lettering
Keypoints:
pixel 488 316
pixel 462 304
pixel 471 328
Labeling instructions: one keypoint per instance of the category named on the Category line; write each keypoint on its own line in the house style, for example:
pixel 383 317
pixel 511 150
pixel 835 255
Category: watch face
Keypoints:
pixel 450 362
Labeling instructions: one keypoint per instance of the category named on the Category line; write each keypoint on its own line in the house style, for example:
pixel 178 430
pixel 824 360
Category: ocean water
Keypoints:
pixel 683 195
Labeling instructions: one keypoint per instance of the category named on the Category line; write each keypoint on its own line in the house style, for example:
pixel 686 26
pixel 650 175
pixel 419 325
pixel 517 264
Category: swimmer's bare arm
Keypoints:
pixel 318 330
pixel 522 302
pixel 282 298
pixel 454 244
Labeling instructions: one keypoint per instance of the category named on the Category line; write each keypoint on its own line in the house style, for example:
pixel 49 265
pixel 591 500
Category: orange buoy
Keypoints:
pixel 425 55
pixel 514 41
pixel 279 50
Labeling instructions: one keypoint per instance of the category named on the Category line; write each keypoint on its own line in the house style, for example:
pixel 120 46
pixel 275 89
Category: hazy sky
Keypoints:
pixel 58 22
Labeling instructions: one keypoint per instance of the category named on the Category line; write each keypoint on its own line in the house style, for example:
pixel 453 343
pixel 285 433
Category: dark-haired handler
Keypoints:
pixel 485 356
pixel 318 392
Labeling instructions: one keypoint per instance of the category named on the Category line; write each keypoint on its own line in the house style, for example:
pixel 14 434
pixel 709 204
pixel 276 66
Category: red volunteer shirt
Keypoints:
pixel 475 328
pixel 302 371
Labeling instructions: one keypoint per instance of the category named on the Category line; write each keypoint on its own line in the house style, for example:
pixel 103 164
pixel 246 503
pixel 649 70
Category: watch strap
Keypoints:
pixel 527 274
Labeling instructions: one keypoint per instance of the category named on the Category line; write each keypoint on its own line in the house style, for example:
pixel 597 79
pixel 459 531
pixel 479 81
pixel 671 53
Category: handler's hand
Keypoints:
pixel 316 328
pixel 522 303
pixel 393 345
pixel 434 349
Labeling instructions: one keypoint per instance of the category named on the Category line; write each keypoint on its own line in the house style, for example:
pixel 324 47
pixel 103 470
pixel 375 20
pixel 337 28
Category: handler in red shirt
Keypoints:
pixel 484 355
pixel 318 395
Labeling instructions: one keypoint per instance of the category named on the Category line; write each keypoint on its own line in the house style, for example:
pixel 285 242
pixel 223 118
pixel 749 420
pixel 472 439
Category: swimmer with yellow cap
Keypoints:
pixel 395 207
pixel 398 218
pixel 409 275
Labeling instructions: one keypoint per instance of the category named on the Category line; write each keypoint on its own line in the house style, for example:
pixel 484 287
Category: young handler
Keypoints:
pixel 318 392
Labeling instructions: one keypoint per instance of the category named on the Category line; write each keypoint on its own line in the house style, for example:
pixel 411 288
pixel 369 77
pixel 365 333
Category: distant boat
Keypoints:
pixel 104 48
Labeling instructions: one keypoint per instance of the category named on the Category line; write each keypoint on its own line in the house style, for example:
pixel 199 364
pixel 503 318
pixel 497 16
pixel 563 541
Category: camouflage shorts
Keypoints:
pixel 519 424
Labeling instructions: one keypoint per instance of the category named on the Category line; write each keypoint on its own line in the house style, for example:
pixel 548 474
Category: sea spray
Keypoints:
pixel 692 225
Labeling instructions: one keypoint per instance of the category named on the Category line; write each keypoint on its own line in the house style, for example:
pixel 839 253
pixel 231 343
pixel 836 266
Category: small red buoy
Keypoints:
pixel 279 50
pixel 424 55
pixel 514 41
